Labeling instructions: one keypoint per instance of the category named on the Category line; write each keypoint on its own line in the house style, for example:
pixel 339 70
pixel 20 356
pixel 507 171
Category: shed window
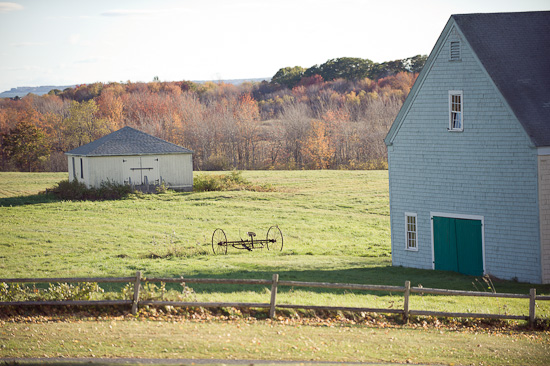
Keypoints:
pixel 455 51
pixel 455 111
pixel 411 232
pixel 81 169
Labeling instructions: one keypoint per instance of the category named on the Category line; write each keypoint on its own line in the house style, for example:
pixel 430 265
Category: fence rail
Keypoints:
pixel 68 280
pixel 436 291
pixel 272 305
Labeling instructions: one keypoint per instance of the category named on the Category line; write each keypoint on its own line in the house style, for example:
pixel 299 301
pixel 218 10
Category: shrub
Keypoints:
pixel 162 188
pixel 67 291
pixel 150 291
pixel 67 190
pixel 59 291
pixel 77 191
pixel 112 191
pixel 205 183
pixel 233 181
pixel 217 162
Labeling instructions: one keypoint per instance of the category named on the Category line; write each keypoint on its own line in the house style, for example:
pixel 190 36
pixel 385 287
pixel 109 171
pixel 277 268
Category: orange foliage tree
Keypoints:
pixel 318 151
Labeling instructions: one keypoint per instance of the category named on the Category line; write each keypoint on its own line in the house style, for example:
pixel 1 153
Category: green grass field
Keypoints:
pixel 266 340
pixel 335 226
pixel 336 229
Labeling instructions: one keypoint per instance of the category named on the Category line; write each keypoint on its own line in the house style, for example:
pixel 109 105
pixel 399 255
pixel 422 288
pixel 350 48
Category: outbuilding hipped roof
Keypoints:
pixel 128 141
pixel 514 48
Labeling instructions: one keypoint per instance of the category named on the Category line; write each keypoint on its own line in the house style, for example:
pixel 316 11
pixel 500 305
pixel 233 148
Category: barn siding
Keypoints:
pixel 71 168
pixel 81 170
pixel 544 201
pixel 74 170
pixel 103 169
pixel 177 170
pixel 489 169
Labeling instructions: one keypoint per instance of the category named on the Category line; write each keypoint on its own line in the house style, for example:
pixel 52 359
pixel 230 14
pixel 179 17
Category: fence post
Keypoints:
pixel 136 293
pixel 532 298
pixel 406 302
pixel 273 296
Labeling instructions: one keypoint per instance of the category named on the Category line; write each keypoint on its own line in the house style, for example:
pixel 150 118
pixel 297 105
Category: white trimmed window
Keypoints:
pixel 411 236
pixel 456 110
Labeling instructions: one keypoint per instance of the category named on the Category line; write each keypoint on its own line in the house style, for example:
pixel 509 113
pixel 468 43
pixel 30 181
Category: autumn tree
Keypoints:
pixel 247 120
pixel 111 108
pixel 295 121
pixel 308 81
pixel 25 146
pixel 83 125
pixel 318 151
pixel 341 134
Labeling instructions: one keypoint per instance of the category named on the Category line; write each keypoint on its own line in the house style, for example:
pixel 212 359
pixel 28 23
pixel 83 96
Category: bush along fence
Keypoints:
pixel 138 282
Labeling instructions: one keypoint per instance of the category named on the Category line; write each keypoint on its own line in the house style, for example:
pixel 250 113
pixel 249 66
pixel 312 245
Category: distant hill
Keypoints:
pixel 234 81
pixel 21 91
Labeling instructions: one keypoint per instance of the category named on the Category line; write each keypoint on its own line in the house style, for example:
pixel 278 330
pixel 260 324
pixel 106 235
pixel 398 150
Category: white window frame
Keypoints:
pixel 453 112
pixel 408 242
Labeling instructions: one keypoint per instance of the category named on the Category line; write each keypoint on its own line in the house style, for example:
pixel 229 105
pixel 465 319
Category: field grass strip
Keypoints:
pixel 270 340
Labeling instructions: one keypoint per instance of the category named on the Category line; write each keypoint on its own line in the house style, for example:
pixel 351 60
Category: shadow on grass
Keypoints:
pixel 28 200
pixel 384 275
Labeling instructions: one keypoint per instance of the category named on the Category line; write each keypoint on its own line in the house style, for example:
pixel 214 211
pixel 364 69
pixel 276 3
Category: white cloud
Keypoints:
pixel 92 60
pixel 145 12
pixel 127 12
pixel 74 38
pixel 28 44
pixel 23 68
pixel 7 7
pixel 87 61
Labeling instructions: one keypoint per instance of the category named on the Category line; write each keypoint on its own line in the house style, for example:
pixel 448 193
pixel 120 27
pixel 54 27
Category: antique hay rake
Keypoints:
pixel 273 241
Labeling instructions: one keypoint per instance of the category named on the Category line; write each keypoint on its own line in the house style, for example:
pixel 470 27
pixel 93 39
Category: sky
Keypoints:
pixel 67 42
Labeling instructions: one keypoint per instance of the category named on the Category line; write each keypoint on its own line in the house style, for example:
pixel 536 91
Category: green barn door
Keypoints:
pixel 458 245
pixel 446 258
pixel 469 247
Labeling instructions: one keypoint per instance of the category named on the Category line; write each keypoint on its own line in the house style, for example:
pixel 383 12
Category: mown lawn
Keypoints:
pixel 267 340
pixel 335 226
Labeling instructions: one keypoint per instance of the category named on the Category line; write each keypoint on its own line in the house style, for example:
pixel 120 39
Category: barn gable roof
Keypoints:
pixel 514 49
pixel 128 141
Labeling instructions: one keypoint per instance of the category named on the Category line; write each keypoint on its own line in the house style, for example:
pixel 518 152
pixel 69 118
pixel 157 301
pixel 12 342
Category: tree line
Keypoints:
pixel 318 121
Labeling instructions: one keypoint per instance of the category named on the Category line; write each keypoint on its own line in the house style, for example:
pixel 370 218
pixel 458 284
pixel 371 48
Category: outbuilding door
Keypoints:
pixel 458 245
pixel 141 170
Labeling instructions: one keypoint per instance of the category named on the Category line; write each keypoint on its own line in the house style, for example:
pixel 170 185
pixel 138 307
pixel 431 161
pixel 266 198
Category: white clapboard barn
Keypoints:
pixel 129 156
pixel 469 152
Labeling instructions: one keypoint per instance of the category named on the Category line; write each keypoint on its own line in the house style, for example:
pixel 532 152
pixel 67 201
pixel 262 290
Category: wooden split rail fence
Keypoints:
pixel 407 290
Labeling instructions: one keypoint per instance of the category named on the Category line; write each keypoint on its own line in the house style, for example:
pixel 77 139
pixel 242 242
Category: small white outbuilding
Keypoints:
pixel 129 156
